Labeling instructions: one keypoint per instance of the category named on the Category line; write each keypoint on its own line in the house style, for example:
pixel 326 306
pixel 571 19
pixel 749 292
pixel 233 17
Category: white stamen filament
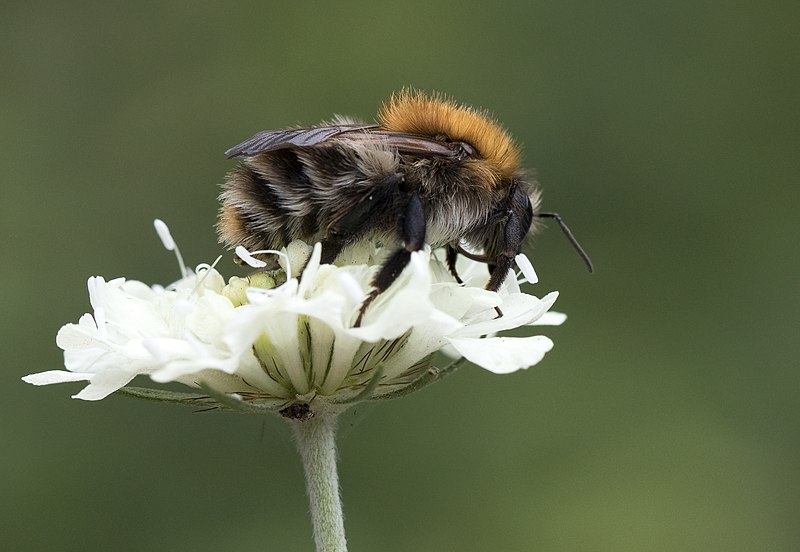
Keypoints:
pixel 169 244
pixel 207 270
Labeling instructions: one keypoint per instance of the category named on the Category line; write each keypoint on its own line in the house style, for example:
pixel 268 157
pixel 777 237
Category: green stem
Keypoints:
pixel 317 446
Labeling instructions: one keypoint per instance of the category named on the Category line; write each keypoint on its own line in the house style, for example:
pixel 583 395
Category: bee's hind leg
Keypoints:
pixel 412 230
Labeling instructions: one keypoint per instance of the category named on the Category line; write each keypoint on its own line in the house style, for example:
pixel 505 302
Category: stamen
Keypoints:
pixel 247 256
pixel 206 268
pixel 163 232
pixel 169 244
pixel 524 264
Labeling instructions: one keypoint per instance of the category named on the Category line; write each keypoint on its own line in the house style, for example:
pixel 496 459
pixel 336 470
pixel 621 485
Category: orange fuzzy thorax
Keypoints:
pixel 417 113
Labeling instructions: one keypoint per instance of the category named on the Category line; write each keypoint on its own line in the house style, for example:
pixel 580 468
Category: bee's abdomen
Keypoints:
pixel 267 201
pixel 273 198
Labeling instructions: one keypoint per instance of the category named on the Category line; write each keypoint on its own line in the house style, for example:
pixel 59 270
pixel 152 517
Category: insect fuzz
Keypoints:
pixel 429 171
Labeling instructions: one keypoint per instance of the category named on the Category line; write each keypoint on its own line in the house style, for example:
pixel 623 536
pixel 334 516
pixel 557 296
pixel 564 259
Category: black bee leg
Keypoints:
pixel 412 229
pixel 473 256
pixel 331 247
pixel 452 255
pixel 363 214
pixel 499 270
pixel 516 228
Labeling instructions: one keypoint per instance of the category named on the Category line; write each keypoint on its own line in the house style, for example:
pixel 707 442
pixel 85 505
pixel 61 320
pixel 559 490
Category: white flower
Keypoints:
pixel 140 330
pixel 295 343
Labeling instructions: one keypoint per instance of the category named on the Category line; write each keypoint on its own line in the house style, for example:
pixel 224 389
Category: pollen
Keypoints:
pixel 415 112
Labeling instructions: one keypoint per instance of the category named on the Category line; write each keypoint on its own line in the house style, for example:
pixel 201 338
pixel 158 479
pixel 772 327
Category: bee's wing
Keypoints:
pixel 411 144
pixel 270 140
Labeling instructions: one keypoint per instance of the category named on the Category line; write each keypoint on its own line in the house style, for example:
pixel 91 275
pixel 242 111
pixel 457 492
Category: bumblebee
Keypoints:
pixel 430 171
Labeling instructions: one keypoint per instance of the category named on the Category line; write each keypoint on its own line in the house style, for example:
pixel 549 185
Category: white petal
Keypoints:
pixel 294 256
pixel 139 290
pixel 98 300
pixel 393 318
pixel 462 302
pixel 102 385
pixel 549 319
pixel 473 273
pixel 321 348
pixel 510 284
pixel 87 322
pixel 55 376
pixel 518 309
pixel 84 360
pixel 210 279
pixel 350 286
pixel 248 369
pixel 310 270
pixel 342 357
pixel 503 355
pixel 97 291
pixel 549 299
pixel 284 335
pixel 426 339
pixel 208 319
pixel 480 301
pixel 262 296
pixel 177 369
pixel 403 306
pixel 75 336
pixel 165 349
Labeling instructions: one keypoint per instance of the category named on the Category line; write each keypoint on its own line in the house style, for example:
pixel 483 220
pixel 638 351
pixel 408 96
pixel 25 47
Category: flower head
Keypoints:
pixel 270 342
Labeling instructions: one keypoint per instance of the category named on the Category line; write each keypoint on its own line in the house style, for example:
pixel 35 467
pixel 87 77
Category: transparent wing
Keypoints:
pixel 270 140
pixel 405 143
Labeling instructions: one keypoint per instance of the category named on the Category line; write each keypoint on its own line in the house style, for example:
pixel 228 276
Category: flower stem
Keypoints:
pixel 317 446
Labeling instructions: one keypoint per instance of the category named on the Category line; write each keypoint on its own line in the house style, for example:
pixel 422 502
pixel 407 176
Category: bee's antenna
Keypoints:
pixel 569 236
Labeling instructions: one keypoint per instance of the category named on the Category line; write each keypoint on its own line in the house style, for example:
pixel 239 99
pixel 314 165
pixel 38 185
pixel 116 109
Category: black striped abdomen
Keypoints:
pixel 267 203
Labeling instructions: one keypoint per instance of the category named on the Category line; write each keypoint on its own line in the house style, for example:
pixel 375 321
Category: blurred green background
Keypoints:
pixel 667 133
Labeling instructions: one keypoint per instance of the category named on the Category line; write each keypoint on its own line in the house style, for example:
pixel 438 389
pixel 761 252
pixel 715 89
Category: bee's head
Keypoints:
pixel 496 154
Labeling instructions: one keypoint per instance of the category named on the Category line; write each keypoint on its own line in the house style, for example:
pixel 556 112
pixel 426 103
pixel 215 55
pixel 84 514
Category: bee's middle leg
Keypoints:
pixel 364 213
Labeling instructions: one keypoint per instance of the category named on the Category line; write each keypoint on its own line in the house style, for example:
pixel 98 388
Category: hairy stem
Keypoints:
pixel 316 443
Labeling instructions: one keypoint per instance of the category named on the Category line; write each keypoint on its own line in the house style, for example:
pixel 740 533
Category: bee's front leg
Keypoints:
pixel 516 228
pixel 499 271
pixel 411 227
pixel 452 257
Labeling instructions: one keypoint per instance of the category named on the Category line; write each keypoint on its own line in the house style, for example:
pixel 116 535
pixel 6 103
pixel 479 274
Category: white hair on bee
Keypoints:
pixel 376 158
pixel 342 120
